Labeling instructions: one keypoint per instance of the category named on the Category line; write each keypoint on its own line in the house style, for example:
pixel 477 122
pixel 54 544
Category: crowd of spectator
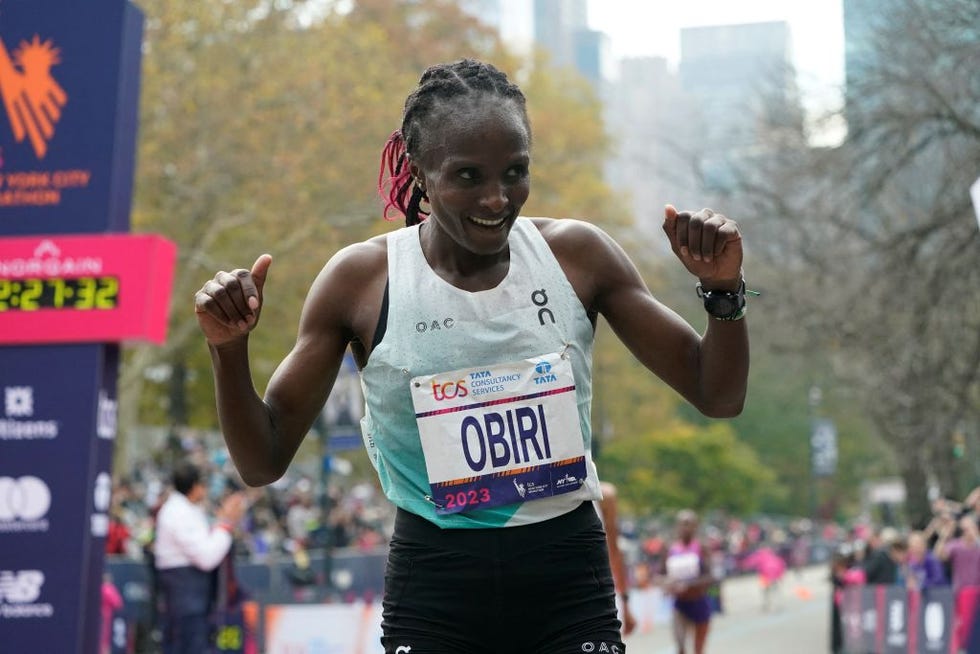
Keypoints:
pixel 294 514
pixel 945 553
pixel 298 516
pixel 304 514
pixel 299 513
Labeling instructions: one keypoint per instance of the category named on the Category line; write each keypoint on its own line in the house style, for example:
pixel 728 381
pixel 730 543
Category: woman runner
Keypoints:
pixel 472 328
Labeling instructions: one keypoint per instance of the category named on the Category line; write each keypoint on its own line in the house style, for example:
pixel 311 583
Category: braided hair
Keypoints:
pixel 438 84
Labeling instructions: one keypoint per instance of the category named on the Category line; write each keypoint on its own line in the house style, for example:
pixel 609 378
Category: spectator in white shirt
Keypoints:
pixel 187 550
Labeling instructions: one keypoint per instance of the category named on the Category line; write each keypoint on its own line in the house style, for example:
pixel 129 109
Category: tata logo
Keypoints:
pixel 449 390
pixel 32 98
pixel 544 374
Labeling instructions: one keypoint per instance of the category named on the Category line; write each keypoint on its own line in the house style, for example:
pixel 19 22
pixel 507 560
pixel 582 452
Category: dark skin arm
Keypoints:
pixel 263 434
pixel 616 561
pixel 709 371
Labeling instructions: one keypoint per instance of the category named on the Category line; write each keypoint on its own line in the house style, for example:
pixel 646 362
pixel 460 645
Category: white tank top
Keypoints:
pixel 434 327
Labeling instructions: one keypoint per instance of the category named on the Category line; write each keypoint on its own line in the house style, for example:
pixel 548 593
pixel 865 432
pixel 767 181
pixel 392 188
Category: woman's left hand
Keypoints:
pixel 707 243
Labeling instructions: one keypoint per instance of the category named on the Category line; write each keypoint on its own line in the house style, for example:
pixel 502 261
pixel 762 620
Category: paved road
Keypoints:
pixel 798 624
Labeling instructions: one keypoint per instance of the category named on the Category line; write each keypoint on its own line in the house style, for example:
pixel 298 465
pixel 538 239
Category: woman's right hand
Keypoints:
pixel 228 306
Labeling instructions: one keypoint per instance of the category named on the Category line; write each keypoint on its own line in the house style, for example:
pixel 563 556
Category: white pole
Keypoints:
pixel 975 194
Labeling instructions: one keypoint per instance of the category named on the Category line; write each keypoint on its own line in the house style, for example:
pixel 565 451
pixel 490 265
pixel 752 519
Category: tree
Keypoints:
pixel 570 148
pixel 677 465
pixel 230 98
pixel 876 245
pixel 258 134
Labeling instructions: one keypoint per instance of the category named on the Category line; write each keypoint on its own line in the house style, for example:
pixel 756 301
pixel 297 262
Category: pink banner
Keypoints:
pixel 967 605
pixel 74 289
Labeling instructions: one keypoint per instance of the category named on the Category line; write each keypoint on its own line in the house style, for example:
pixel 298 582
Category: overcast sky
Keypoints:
pixel 652 28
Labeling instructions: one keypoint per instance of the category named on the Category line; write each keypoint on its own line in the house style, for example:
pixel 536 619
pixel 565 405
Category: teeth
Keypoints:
pixel 487 223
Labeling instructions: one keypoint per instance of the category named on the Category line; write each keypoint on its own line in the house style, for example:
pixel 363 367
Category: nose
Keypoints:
pixel 494 197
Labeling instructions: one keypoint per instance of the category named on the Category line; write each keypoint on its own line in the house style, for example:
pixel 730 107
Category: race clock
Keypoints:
pixel 70 289
pixel 70 293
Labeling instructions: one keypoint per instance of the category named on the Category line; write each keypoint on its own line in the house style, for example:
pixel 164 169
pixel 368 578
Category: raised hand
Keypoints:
pixel 228 306
pixel 707 243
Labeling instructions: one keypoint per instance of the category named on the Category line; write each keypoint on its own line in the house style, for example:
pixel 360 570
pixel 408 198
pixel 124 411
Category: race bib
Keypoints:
pixel 500 434
pixel 685 566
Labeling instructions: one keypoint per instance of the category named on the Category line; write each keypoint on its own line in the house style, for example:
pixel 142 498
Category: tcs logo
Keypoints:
pixel 449 390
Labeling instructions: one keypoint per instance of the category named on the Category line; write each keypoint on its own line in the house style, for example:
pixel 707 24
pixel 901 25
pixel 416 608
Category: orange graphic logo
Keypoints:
pixel 31 96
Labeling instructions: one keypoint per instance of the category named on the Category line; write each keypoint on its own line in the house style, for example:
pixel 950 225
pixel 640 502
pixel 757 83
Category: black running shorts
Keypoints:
pixel 544 588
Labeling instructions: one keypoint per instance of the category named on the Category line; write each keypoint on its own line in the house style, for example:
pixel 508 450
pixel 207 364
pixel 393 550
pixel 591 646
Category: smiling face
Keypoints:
pixel 474 167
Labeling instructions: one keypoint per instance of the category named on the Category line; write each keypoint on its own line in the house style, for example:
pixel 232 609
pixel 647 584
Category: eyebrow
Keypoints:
pixel 460 161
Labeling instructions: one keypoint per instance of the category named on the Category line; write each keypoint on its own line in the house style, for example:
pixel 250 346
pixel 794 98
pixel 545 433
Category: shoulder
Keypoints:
pixel 352 271
pixel 569 238
pixel 565 233
pixel 360 259
pixel 346 291
pixel 593 262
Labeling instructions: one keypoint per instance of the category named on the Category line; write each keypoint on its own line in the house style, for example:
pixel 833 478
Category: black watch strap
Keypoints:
pixel 724 305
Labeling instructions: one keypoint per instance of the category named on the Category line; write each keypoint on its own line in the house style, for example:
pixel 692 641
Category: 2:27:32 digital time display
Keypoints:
pixel 75 293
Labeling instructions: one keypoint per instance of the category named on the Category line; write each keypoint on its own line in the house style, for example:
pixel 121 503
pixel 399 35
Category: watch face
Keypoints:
pixel 721 305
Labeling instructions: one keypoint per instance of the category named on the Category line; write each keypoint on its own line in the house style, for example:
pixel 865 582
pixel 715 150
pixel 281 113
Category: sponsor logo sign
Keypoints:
pixel 16 423
pixel 24 504
pixel 20 591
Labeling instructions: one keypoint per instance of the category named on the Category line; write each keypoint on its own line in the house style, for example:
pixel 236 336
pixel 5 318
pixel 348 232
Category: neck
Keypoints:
pixel 458 266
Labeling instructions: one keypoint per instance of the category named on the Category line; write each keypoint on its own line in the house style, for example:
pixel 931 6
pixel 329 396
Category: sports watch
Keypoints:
pixel 724 305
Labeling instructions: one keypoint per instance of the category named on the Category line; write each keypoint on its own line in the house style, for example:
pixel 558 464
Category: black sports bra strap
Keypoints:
pixel 382 326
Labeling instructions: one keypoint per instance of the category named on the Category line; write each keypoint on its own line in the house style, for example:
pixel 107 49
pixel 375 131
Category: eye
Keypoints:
pixel 468 174
pixel 517 172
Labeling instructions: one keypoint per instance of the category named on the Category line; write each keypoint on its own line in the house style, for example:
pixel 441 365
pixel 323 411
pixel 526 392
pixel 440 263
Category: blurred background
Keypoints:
pixel 843 136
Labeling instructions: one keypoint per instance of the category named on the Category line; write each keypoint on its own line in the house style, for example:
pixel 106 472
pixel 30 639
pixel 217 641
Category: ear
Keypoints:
pixel 415 170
